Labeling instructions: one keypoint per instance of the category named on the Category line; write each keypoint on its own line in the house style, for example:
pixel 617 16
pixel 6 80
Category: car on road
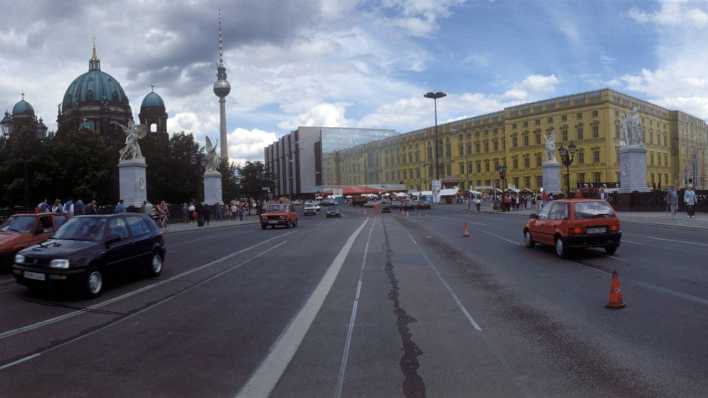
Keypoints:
pixel 333 212
pixel 276 214
pixel 311 209
pixel 23 230
pixel 328 202
pixel 574 223
pixel 88 249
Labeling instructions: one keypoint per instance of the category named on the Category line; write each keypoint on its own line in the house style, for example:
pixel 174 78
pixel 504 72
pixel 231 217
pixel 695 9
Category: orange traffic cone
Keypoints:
pixel 616 300
pixel 466 234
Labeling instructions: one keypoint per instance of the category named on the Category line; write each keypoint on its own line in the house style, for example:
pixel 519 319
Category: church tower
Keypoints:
pixel 152 113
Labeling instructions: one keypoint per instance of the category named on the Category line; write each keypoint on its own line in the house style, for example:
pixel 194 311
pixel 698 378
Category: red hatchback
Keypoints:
pixel 572 223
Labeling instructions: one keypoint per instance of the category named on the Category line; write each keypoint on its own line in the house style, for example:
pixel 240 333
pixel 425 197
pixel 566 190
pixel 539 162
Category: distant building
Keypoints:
pixel 300 163
pixel 22 118
pixel 471 150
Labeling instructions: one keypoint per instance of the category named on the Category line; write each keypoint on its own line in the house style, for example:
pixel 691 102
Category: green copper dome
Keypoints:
pixel 152 100
pixel 94 86
pixel 22 108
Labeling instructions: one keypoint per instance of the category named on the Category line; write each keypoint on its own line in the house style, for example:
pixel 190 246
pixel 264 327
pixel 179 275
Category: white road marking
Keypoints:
pixel 500 237
pixel 447 286
pixel 69 315
pixel 264 379
pixel 352 318
pixel 671 292
pixel 686 242
pixel 140 311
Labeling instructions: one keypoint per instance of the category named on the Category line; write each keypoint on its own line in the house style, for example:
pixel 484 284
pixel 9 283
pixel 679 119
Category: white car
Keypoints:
pixel 311 208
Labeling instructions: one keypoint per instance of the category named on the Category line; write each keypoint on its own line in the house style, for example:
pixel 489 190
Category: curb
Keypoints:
pixel 211 228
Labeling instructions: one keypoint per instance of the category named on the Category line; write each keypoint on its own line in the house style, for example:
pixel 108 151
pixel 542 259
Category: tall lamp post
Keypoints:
pixel 567 156
pixel 435 96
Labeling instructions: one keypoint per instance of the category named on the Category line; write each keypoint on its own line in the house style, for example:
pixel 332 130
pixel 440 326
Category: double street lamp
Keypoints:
pixel 567 156
pixel 435 96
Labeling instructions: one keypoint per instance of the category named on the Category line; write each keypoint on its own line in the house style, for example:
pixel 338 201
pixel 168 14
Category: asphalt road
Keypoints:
pixel 374 306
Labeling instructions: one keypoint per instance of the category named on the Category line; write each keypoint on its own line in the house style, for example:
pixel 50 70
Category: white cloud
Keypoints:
pixel 678 81
pixel 248 144
pixel 324 114
pixel 671 13
pixel 532 87
pixel 420 17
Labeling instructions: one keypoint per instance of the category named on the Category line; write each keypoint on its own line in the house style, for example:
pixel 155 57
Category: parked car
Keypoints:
pixel 311 209
pixel 279 214
pixel 333 212
pixel 328 202
pixel 573 223
pixel 87 249
pixel 386 208
pixel 23 230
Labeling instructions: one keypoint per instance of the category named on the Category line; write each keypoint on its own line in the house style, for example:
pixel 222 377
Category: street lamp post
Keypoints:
pixel 434 97
pixel 567 156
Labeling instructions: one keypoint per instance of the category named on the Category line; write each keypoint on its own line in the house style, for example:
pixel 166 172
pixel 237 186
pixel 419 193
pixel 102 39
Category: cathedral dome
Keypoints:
pixel 22 108
pixel 152 101
pixel 94 86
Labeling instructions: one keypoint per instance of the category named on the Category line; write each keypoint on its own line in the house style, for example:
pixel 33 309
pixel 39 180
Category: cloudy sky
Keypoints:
pixel 354 62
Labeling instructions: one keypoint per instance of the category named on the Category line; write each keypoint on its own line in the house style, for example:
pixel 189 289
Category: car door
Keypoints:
pixel 537 227
pixel 558 214
pixel 142 239
pixel 120 251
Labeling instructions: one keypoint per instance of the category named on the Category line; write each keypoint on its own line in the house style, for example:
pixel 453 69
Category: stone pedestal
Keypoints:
pixel 212 188
pixel 551 177
pixel 633 169
pixel 133 186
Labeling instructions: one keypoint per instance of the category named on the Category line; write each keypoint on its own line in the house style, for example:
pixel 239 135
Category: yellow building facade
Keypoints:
pixel 473 149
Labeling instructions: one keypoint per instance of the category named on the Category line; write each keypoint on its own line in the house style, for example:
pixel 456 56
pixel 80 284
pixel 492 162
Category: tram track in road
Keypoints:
pixel 57 344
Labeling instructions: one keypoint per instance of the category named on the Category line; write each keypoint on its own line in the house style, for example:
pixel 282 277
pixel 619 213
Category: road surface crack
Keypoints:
pixel 413 384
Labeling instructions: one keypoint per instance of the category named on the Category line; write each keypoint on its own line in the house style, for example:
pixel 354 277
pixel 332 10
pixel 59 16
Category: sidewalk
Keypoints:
pixel 181 227
pixel 700 220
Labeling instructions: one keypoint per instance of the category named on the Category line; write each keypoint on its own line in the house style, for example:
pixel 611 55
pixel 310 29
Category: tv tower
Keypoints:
pixel 222 88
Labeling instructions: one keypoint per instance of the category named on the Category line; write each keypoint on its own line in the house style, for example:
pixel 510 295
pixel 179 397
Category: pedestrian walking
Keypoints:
pixel 689 198
pixel 163 213
pixel 68 208
pixel 120 207
pixel 57 208
pixel 192 212
pixel 673 201
pixel 477 203
pixel 91 208
pixel 207 213
pixel 43 206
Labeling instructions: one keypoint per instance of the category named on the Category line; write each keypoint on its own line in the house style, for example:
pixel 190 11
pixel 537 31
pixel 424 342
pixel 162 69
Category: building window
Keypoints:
pixel 581 178
pixel 479 166
pixel 495 144
pixel 430 152
pixel 651 158
pixel 527 161
pixel 537 135
pixel 564 118
pixel 596 156
pixel 515 162
pixel 595 131
pixel 476 147
pixel 526 123
pixel 580 155
pixel 617 130
pixel 430 171
pixel 462 168
pixel 539 160
pixel 594 114
pixel 537 122
pixel 448 169
pixel 469 148
pixel 527 182
pixel 596 177
pixel 564 134
pixel 651 138
pixel 579 131
pixel 514 141
pixel 526 140
pixel 486 146
pixel 539 181
pixel 486 165
pixel 513 125
pixel 469 167
pixel 516 182
pixel 460 149
pixel 579 116
pixel 417 173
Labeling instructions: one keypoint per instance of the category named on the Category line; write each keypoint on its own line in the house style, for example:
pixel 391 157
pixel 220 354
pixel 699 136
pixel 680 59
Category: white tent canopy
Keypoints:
pixel 448 192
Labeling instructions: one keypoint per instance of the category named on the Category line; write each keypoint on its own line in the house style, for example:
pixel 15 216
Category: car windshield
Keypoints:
pixel 276 207
pixel 19 224
pixel 585 210
pixel 82 228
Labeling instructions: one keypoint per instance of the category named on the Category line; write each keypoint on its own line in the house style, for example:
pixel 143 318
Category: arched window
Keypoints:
pixel 153 127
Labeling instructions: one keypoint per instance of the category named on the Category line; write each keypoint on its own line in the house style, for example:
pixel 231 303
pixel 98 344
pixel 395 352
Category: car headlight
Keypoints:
pixel 59 263
pixel 19 259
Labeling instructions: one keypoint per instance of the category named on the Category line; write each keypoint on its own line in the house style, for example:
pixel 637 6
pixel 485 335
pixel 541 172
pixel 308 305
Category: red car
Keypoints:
pixel 26 229
pixel 574 223
pixel 279 214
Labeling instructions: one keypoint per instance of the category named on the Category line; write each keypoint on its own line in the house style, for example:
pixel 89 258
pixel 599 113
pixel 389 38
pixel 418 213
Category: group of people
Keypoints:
pixel 202 213
pixel 690 200
pixel 69 207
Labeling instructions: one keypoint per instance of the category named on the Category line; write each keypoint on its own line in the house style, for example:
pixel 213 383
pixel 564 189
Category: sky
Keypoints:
pixel 353 63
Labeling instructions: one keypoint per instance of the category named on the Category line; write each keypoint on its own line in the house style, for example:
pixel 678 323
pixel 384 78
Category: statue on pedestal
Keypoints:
pixel 632 132
pixel 133 133
pixel 550 143
pixel 212 159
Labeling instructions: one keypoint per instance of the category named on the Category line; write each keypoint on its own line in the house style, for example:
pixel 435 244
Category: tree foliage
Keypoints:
pixel 253 179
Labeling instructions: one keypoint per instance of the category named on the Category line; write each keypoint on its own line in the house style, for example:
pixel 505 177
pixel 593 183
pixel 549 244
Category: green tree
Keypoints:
pixel 230 185
pixel 254 179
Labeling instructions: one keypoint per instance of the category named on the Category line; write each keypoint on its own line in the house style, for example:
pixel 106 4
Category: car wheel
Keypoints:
pixel 561 249
pixel 155 268
pixel 287 226
pixel 610 249
pixel 94 283
pixel 528 239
